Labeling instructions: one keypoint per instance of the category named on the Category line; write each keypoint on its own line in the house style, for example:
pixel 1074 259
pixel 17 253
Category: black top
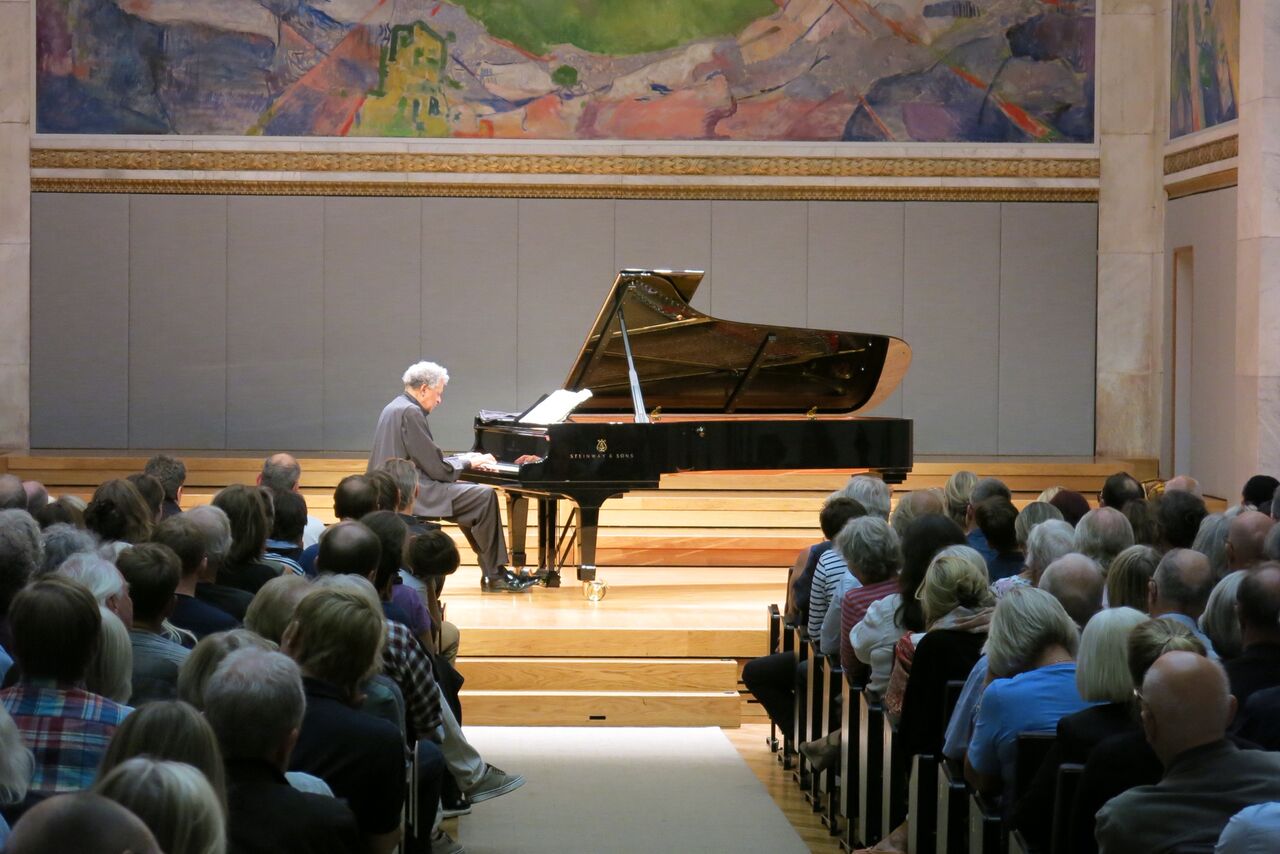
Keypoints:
pixel 169 508
pixel 247 576
pixel 1256 668
pixel 231 600
pixel 1259 722
pixel 200 618
pixel 941 656
pixel 266 815
pixel 1117 764
pixel 801 590
pixel 361 757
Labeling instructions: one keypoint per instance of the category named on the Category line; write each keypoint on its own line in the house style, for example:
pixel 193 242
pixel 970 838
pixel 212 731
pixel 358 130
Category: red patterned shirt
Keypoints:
pixel 853 607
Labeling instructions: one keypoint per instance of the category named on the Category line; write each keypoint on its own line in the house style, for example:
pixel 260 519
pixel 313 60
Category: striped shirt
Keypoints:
pixel 831 567
pixel 67 730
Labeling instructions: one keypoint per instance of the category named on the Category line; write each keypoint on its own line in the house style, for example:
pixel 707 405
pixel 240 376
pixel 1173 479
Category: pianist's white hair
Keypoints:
pixel 427 374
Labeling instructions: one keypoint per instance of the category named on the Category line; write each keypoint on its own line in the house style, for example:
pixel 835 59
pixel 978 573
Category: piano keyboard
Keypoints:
pixel 505 468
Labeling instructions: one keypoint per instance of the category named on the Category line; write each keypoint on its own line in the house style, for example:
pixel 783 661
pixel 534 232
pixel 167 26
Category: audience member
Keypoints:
pixel 1220 620
pixel 83 822
pixel 353 498
pixel 282 473
pixel 385 487
pixel 1030 516
pixel 430 557
pixel 1119 489
pixel 1179 514
pixel 1075 580
pixel 104 580
pixel 1258 606
pixel 255 704
pixel 37 495
pixel 1257 492
pixel 1180 589
pixel 152 571
pixel 12 495
pixel 110 673
pixel 152 494
pixel 1071 504
pixel 836 512
pixel 1186 708
pixel 1142 519
pixel 284 546
pixel 955 495
pixel 172 475
pixel 273 608
pixel 216 528
pixel 184 536
pixel 174 799
pixel 400 602
pixel 1183 483
pixel 64 510
pixel 1129 580
pixel 871 492
pixel 997 519
pixel 913 505
pixel 1253 830
pixel 1211 539
pixel 988 487
pixel 404 474
pixel 171 730
pixel 246 510
pixel 55 625
pixel 1047 542
pixel 119 515
pixel 16 767
pixel 20 556
pixel 872 551
pixel 1102 534
pixel 60 541
pixel 1246 536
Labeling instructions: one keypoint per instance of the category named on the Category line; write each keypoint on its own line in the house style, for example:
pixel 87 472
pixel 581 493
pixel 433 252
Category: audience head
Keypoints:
pixel 186 539
pixel 1129 579
pixel 1026 625
pixel 273 606
pixel 387 490
pixel 1102 534
pixel 246 510
pixel 255 704
pixel 1076 581
pixel 955 495
pixel 1211 541
pixel 16 762
pixel 354 496
pixel 102 579
pixel 871 492
pixel 987 487
pixel 349 548
pixel 1102 667
pixel 55 624
pixel 1152 639
pixel 337 634
pixel 37 495
pixel 1030 516
pixel 1186 702
pixel 1220 620
pixel 65 510
pixel 1178 514
pixel 151 491
pixel 1048 541
pixel 1119 489
pixel 110 672
pixel 1181 584
pixel 193 676
pixel 170 471
pixel 1258 491
pixel 957 578
pixel 870 548
pixel 83 822
pixel 1183 483
pixel 1246 538
pixel 1072 505
pixel 925 537
pixel 432 553
pixel 997 517
pixel 216 528
pixel 12 495
pixel 171 730
pixel 280 473
pixel 20 553
pixel 391 532
pixel 1258 605
pixel 61 541
pixel 290 517
pixel 1142 519
pixel 153 572
pixel 118 513
pixel 912 506
pixel 836 511
pixel 405 475
pixel 1047 494
pixel 174 799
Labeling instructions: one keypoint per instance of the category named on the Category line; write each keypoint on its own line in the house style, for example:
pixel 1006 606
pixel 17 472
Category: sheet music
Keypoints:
pixel 556 407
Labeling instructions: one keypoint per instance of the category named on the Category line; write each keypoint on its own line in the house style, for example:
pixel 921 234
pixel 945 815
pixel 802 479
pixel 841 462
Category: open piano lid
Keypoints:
pixel 689 362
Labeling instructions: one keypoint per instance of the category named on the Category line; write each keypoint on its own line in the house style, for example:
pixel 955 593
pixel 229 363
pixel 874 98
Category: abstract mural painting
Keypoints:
pixel 1204 65
pixel 823 70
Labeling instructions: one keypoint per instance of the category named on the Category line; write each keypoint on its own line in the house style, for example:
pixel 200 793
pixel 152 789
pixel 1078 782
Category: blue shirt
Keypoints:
pixel 1175 617
pixel 5 663
pixel 1253 830
pixel 978 542
pixel 961 723
pixel 1030 702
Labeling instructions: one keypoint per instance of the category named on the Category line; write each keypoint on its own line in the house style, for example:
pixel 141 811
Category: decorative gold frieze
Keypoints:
pixel 565 191
pixel 1202 155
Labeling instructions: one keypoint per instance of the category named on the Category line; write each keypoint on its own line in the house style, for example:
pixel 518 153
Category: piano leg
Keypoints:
pixel 588 523
pixel 517 522
pixel 547 524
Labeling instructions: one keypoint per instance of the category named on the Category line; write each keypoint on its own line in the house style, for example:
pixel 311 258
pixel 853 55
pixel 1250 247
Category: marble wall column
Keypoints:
pixel 1130 88
pixel 1257 438
pixel 17 41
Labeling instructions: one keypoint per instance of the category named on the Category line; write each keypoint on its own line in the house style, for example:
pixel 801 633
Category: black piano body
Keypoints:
pixel 727 397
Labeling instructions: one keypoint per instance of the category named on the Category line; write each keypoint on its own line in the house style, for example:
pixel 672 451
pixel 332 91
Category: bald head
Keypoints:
pixel 1258 605
pixel 1186 702
pixel 913 505
pixel 1076 581
pixel 1246 536
pixel 1183 483
pixel 1181 585
pixel 81 822
pixel 280 472
pixel 348 548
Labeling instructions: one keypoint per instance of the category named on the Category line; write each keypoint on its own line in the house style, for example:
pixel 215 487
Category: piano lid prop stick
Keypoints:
pixel 637 399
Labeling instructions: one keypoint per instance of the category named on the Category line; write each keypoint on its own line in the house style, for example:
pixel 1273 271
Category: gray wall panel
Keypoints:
pixel 372 311
pixel 855 272
pixel 666 235
pixel 79 321
pixel 469 308
pixel 566 266
pixel 275 323
pixel 758 253
pixel 951 293
pixel 1048 257
pixel 178 322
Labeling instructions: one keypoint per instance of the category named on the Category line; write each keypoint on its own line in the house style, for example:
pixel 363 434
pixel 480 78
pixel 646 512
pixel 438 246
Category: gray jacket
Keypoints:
pixel 402 431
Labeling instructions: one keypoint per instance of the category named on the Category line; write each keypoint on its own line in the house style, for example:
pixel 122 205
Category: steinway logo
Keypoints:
pixel 601 446
pixel 602 453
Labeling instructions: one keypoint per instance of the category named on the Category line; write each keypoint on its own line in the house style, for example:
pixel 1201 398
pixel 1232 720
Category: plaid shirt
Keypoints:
pixel 66 728
pixel 406 662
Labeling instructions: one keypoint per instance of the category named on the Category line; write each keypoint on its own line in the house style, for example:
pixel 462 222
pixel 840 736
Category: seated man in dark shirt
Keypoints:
pixel 216 528
pixel 255 703
pixel 184 536
pixel 1258 608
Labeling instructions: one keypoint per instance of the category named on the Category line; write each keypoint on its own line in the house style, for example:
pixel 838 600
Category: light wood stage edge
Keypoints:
pixel 691 569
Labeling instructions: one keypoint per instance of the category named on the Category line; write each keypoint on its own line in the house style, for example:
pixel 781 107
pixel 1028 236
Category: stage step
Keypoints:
pixel 602 708
pixel 611 642
pixel 599 674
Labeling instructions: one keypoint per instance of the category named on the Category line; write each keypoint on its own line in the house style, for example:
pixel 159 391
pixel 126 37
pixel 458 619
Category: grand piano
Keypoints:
pixel 674 390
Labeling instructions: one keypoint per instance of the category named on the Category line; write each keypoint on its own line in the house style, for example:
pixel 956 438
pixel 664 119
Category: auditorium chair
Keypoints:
pixel 800 728
pixel 988 832
pixel 829 782
pixel 851 707
pixel 815 680
pixel 1064 796
pixel 775 646
pixel 871 724
pixel 951 804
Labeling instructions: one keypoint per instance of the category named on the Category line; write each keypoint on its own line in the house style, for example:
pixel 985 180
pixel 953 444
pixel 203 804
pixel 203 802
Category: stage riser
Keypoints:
pixel 605 642
pixel 592 674
pixel 547 708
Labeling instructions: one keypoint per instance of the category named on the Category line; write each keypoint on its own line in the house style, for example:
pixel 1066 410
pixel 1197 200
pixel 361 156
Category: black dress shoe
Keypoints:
pixel 507 582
